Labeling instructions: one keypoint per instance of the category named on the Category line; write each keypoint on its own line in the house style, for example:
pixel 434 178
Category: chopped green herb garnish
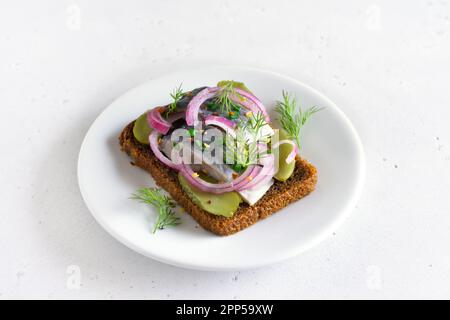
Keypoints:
pixel 238 167
pixel 212 106
pixel 191 132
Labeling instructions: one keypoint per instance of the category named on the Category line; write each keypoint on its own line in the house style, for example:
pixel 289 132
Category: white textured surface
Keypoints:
pixel 385 64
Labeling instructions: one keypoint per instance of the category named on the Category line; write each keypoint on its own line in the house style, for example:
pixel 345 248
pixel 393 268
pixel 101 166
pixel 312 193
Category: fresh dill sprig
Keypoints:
pixel 176 95
pixel 254 125
pixel 244 148
pixel 225 98
pixel 237 149
pixel 292 117
pixel 164 205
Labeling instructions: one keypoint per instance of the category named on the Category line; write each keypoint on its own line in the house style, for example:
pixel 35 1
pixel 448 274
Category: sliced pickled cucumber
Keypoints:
pixel 285 170
pixel 141 129
pixel 284 135
pixel 236 84
pixel 224 204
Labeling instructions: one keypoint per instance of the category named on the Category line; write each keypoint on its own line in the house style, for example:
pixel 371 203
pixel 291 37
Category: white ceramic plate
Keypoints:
pixel 107 179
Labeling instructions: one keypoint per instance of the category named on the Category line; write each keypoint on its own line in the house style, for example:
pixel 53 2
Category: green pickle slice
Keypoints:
pixel 236 84
pixel 285 170
pixel 224 204
pixel 141 129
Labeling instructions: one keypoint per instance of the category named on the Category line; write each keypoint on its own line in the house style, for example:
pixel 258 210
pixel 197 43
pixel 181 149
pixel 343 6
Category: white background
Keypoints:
pixel 385 63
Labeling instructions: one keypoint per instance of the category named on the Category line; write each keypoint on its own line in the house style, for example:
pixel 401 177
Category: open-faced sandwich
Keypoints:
pixel 217 153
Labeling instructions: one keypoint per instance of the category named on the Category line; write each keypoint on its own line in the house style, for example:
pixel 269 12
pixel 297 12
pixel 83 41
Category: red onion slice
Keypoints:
pixel 154 145
pixel 203 185
pixel 251 102
pixel 196 102
pixel 265 174
pixel 156 120
pixel 223 123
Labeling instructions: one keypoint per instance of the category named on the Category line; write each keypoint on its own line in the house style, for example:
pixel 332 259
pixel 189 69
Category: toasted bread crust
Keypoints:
pixel 280 195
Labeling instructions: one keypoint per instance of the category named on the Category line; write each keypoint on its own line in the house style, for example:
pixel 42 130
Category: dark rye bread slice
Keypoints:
pixel 281 194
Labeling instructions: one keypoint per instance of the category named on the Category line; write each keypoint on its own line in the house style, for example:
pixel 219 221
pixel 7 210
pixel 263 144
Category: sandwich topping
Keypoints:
pixel 223 144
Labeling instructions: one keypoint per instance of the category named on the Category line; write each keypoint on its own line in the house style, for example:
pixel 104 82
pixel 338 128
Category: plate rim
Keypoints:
pixel 297 250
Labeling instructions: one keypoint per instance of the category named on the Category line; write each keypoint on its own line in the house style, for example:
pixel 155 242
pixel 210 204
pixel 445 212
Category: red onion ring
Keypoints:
pixel 251 102
pixel 196 102
pixel 203 185
pixel 265 174
pixel 153 139
pixel 223 123
pixel 157 122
